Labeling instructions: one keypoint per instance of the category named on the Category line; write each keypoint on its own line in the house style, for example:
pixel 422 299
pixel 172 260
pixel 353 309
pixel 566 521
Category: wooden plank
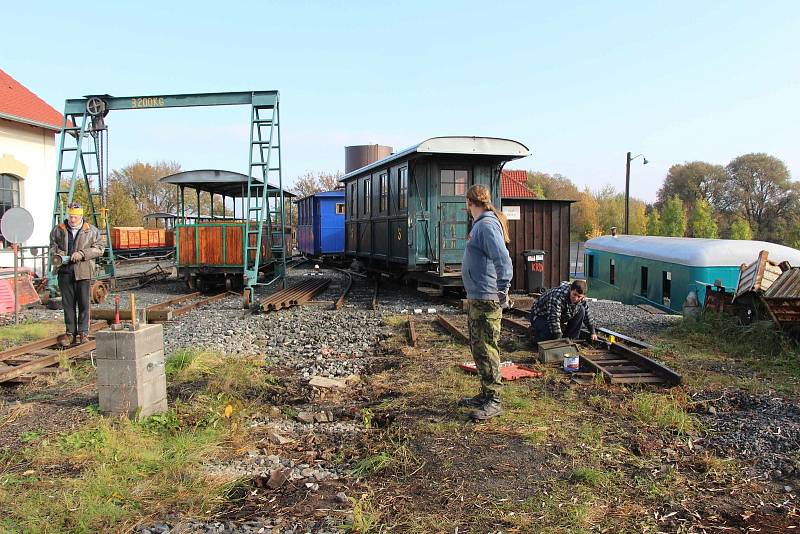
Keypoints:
pixel 44 343
pixel 453 329
pixel 516 325
pixel 175 300
pixel 412 332
pixel 46 361
pixel 597 368
pixel 639 380
pixel 651 365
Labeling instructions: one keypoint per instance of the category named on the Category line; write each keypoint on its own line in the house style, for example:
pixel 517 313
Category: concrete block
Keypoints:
pixel 127 398
pixel 144 340
pixel 130 372
pixel 150 409
pixel 106 344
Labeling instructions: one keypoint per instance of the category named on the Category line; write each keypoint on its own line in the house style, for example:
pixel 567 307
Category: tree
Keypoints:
pixel 702 224
pixel 740 229
pixel 760 190
pixel 654 222
pixel 673 218
pixel 122 209
pixel 584 216
pixel 554 186
pixel 538 191
pixel 316 182
pixel 142 182
pixel 693 181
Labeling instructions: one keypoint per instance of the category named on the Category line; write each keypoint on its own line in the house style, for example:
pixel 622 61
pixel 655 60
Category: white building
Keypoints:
pixel 28 128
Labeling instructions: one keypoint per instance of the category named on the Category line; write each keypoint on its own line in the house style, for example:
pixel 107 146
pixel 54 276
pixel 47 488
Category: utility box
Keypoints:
pixel 131 378
pixel 554 350
pixel 534 270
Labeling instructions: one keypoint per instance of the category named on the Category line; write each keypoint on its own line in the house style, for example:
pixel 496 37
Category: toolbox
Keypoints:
pixel 554 350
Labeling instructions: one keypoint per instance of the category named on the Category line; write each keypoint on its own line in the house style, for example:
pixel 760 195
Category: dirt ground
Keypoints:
pixel 561 458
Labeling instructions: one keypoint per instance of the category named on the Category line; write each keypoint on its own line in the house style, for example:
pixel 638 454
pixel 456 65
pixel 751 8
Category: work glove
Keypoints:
pixel 505 300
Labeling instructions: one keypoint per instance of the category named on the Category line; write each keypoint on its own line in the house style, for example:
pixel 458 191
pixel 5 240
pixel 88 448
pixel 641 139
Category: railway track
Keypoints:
pixel 166 310
pixel 24 363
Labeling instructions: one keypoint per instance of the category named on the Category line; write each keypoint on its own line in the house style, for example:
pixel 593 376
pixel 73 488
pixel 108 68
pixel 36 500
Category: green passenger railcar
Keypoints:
pixel 407 212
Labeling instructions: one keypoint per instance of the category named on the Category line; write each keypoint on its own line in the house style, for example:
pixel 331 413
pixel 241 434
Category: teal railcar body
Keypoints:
pixel 662 271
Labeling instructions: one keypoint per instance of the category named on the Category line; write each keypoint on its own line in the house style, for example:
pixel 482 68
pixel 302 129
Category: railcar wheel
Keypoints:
pixel 749 312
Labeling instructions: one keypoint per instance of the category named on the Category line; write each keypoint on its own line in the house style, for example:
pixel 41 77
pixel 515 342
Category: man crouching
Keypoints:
pixel 561 312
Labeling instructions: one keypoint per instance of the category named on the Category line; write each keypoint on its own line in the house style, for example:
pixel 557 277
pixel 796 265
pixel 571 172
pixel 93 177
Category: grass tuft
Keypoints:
pixel 663 411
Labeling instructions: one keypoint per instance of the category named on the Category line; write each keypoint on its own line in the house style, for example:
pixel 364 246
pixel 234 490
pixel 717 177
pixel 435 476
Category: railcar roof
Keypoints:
pixel 217 181
pixel 693 252
pixel 480 146
pixel 337 193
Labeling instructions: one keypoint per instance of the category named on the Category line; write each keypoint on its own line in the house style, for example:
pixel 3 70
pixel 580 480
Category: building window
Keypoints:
pixel 453 182
pixel 367 195
pixel 383 192
pixel 612 274
pixel 643 282
pixel 402 192
pixel 339 208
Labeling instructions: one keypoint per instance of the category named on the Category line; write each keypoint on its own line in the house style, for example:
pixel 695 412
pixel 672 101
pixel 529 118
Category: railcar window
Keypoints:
pixel 383 191
pixel 339 208
pixel 666 287
pixel 612 275
pixel 453 182
pixel 643 282
pixel 589 259
pixel 352 199
pixel 403 189
pixel 367 195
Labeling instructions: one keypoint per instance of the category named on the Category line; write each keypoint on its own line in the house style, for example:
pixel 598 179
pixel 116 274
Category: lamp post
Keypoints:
pixel 628 160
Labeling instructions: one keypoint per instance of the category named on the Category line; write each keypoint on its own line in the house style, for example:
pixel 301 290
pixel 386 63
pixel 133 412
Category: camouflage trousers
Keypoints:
pixel 484 334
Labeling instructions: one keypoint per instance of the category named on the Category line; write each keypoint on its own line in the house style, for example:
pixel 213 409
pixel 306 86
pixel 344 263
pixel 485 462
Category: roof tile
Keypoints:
pixel 513 185
pixel 19 102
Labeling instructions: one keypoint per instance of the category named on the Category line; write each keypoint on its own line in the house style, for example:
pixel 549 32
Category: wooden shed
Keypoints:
pixel 535 224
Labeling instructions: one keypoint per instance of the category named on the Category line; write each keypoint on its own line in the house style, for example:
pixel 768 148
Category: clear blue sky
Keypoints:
pixel 580 85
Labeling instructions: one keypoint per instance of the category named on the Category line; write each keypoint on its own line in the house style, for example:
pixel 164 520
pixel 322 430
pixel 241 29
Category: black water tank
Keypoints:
pixel 534 270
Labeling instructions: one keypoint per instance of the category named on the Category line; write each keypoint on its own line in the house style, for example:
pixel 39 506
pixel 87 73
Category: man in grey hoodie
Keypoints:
pixel 486 271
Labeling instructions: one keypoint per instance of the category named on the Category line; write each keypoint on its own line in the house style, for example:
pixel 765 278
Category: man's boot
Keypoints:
pixel 490 408
pixel 81 338
pixel 472 402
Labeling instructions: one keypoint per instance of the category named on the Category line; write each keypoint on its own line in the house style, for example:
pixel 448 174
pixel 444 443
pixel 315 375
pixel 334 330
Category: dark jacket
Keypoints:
pixel 555 307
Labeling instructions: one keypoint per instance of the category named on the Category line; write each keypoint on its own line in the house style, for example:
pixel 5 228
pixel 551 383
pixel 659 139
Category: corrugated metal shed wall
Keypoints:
pixel 543 225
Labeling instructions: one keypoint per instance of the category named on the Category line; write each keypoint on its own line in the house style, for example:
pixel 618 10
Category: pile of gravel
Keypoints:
pixel 763 429
pixel 630 320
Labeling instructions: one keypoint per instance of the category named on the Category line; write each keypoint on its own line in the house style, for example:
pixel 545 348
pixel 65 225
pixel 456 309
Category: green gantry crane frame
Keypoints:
pixel 83 141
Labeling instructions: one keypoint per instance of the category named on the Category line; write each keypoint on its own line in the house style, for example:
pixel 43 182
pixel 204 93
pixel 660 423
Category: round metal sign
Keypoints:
pixel 16 225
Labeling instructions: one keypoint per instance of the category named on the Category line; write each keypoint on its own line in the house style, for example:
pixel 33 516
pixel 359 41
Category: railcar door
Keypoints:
pixel 453 217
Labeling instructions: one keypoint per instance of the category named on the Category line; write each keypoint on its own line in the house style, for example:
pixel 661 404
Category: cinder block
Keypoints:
pixel 127 398
pixel 106 344
pixel 144 340
pixel 130 372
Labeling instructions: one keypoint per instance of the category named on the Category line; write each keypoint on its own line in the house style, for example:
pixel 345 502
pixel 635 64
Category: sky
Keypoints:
pixel 579 84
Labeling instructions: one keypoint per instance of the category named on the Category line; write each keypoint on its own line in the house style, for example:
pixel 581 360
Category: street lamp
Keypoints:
pixel 628 160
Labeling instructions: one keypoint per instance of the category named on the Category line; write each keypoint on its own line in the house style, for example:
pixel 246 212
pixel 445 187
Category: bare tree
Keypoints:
pixel 315 182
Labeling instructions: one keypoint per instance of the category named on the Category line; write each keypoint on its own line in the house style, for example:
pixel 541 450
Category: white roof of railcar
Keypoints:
pixel 693 252
pixel 479 146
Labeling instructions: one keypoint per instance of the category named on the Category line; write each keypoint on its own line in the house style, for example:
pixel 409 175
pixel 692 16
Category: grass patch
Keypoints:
pixel 663 411
pixel 114 472
pixel 589 476
pixel 28 331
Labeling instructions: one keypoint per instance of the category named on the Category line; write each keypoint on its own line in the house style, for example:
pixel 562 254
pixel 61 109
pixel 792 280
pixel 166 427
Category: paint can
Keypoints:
pixel 572 363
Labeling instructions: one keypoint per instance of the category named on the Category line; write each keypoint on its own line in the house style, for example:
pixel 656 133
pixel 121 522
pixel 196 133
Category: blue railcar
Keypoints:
pixel 661 271
pixel 320 224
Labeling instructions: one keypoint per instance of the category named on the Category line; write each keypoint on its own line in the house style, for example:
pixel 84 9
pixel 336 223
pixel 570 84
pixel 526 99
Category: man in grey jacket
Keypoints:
pixel 74 245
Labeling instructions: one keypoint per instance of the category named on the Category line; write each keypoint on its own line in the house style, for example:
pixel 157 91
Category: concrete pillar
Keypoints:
pixel 130 371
